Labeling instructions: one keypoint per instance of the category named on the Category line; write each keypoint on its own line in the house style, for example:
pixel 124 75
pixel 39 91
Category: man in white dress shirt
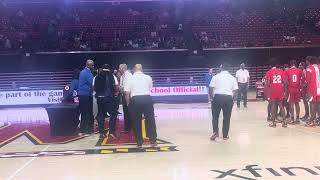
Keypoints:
pixel 137 92
pixel 222 88
pixel 125 75
pixel 242 76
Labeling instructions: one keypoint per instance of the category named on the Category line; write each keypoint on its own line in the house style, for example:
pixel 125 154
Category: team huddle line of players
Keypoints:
pixel 284 89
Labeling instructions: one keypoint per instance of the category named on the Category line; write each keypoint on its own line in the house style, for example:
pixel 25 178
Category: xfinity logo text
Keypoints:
pixel 257 172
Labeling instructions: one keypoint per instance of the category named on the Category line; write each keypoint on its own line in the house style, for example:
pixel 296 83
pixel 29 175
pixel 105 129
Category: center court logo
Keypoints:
pixel 258 173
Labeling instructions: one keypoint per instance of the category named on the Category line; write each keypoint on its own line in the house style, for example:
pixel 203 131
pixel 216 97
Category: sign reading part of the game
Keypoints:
pixel 33 97
pixel 30 97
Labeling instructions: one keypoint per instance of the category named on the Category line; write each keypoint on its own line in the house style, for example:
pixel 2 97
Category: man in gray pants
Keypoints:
pixel 242 76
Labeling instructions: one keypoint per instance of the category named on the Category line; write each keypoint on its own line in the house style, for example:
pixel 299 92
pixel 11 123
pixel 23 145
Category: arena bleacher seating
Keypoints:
pixel 34 80
pixel 88 27
pixel 151 25
pixel 222 28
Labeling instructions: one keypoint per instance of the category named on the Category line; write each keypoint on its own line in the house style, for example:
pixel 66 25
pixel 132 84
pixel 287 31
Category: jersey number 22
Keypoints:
pixel 277 79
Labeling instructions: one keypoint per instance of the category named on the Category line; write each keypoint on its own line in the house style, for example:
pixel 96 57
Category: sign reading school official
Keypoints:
pixel 30 97
pixel 179 91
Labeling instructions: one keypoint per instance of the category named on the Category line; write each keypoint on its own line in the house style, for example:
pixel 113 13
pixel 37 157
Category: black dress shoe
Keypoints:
pixel 102 136
pixel 226 138
pixel 214 136
pixel 154 144
pixel 139 146
pixel 284 125
pixel 273 125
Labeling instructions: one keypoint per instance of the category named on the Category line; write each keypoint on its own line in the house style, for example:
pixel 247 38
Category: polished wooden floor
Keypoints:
pixel 187 126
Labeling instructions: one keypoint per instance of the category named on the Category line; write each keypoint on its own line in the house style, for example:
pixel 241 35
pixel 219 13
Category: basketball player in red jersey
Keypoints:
pixel 276 83
pixel 313 88
pixel 303 90
pixel 294 85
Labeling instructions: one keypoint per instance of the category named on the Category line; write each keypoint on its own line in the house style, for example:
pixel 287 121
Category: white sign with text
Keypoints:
pixel 33 97
pixel 179 91
pixel 30 97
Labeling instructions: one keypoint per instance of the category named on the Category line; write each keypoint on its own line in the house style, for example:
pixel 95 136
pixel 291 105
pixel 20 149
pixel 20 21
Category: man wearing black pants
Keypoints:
pixel 105 86
pixel 143 105
pixel 86 111
pixel 224 103
pixel 242 76
pixel 222 87
pixel 85 92
pixel 138 88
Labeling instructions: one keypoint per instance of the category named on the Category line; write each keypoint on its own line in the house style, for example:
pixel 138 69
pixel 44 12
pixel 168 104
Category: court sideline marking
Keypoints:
pixel 25 165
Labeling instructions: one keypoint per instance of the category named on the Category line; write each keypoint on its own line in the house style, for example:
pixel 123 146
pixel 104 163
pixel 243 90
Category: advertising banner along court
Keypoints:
pixel 34 97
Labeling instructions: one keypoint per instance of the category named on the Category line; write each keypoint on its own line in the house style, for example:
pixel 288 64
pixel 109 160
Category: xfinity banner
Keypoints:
pixel 30 97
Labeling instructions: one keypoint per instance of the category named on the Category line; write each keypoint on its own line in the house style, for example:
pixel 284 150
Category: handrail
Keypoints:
pixel 178 76
pixel 172 50
pixel 119 51
pixel 37 72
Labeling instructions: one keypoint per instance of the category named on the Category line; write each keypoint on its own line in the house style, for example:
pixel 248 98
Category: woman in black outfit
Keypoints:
pixel 104 86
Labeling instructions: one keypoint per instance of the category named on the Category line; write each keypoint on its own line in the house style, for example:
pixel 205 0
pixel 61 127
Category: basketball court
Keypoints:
pixel 185 150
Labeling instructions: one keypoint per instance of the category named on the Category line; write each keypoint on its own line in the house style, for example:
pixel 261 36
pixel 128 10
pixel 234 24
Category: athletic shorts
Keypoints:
pixel 294 95
pixel 276 96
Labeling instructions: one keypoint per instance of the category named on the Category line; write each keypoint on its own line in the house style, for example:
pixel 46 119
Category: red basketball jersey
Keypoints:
pixel 276 78
pixel 294 77
pixel 313 80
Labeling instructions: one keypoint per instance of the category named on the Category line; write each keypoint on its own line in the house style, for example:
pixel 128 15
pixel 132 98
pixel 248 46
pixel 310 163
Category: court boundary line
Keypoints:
pixel 119 150
pixel 25 165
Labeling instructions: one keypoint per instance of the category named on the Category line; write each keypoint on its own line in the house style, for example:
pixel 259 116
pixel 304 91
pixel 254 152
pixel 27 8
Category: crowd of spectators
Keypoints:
pixel 17 37
pixel 255 26
pixel 120 27
pixel 88 28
